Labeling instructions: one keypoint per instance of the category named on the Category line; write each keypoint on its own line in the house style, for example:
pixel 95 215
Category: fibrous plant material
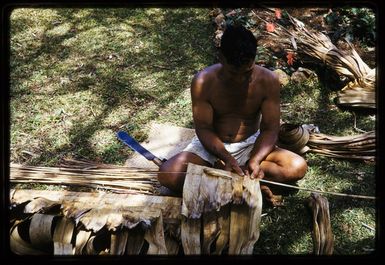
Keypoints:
pixel 96 176
pixel 360 91
pixel 85 220
pixel 323 239
pixel 220 211
pixel 230 206
pixel 357 147
pixel 300 139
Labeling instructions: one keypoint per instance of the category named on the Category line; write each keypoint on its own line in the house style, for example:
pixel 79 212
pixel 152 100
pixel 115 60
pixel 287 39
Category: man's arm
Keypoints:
pixel 203 120
pixel 269 128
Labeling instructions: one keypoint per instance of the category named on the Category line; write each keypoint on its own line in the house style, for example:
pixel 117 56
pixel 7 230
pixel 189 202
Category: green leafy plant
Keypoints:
pixel 239 17
pixel 353 23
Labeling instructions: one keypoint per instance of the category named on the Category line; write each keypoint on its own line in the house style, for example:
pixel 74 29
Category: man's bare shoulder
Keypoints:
pixel 266 75
pixel 203 81
pixel 207 74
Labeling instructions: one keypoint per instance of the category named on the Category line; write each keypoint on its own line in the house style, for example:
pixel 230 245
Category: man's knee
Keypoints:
pixel 171 171
pixel 297 168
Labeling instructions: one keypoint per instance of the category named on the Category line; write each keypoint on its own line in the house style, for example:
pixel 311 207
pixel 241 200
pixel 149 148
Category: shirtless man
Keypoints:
pixel 236 112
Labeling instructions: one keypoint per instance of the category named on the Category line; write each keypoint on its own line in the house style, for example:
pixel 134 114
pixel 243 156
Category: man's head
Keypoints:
pixel 238 45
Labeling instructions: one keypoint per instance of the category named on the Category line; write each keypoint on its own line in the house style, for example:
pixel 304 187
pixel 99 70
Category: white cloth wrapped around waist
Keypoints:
pixel 240 150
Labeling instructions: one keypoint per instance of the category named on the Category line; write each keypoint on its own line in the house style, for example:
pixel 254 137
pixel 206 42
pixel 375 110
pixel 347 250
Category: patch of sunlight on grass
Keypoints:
pixel 179 111
pixel 59 30
pixel 37 16
pixel 350 220
pixel 101 140
pixel 117 116
pixel 95 38
pixel 302 245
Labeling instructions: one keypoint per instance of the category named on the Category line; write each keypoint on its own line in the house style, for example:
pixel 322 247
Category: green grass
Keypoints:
pixel 80 75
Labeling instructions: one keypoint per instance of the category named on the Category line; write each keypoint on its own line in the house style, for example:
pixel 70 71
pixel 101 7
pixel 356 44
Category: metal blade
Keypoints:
pixel 134 145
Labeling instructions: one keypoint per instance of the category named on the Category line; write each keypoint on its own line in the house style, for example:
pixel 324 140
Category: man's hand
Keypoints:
pixel 232 165
pixel 254 169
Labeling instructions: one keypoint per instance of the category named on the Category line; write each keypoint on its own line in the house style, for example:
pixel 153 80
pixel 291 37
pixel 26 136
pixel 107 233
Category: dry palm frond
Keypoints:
pixel 317 45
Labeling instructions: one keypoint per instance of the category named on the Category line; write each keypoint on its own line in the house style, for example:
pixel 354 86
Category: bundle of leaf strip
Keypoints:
pixel 360 147
pixel 116 179
pixel 300 140
pixel 293 137
pixel 360 91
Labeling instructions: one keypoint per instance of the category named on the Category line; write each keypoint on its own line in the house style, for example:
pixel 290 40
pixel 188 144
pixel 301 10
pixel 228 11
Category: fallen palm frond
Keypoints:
pixel 360 91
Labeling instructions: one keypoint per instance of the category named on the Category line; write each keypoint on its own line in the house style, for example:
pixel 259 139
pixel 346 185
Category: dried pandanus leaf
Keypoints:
pixel 360 147
pixel 105 214
pixel 211 230
pixel 155 237
pixel 135 241
pixel 224 233
pixel 40 231
pixel 82 238
pixel 240 228
pixel 39 204
pixel 323 239
pixel 62 237
pixel 19 246
pixel 118 242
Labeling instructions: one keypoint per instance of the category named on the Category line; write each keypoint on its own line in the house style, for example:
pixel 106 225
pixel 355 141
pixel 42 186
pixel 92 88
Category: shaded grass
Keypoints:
pixel 80 75
pixel 311 102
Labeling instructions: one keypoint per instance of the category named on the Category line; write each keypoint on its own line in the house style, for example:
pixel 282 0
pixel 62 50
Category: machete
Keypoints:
pixel 134 145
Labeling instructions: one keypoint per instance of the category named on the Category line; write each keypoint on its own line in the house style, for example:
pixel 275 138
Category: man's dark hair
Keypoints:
pixel 238 45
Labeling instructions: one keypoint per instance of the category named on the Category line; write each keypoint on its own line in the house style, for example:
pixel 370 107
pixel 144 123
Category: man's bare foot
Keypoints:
pixel 271 199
